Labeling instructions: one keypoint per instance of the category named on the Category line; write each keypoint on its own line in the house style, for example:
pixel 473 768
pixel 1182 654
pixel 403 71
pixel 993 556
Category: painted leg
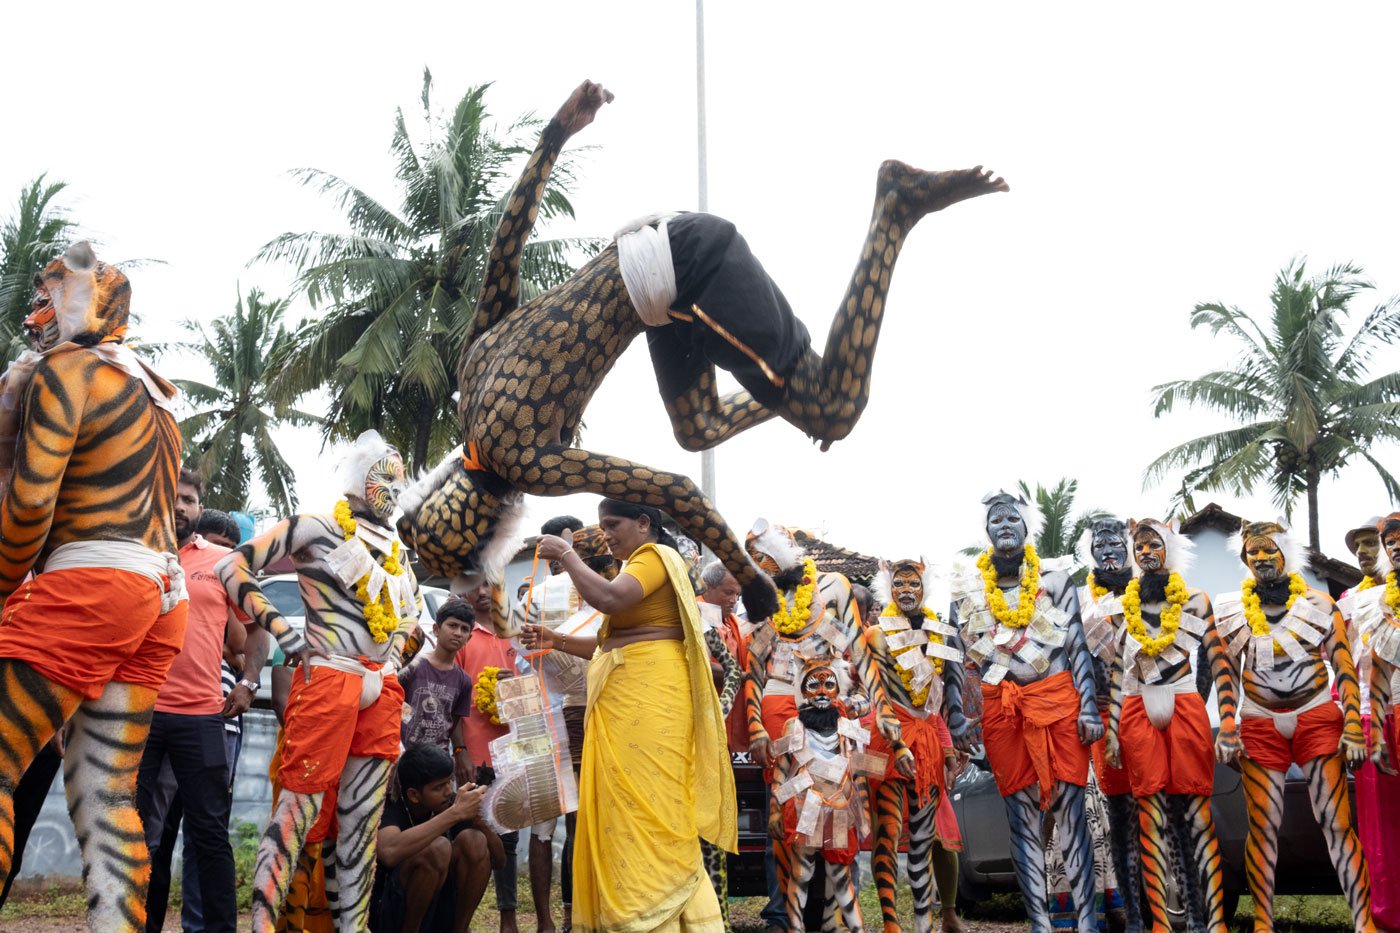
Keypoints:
pixel 1028 854
pixel 1263 799
pixel 717 867
pixel 278 852
pixel 826 394
pixel 359 805
pixel 1200 828
pixel 1123 840
pixel 100 763
pixel 1184 865
pixel 920 863
pixel 889 815
pixel 841 900
pixel 795 865
pixel 1152 843
pixel 1067 808
pixel 1331 806
pixel 34 708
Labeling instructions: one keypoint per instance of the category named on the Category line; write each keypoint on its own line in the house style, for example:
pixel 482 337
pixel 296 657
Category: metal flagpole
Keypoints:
pixel 707 457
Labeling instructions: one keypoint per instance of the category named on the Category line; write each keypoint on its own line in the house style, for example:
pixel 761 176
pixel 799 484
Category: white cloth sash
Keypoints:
pixel 131 556
pixel 1159 700
pixel 371 681
pixel 1285 723
pixel 644 257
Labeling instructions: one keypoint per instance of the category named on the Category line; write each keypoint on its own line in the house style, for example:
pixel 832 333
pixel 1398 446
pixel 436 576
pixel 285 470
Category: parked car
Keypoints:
pixel 283 590
pixel 746 876
pixel 985 864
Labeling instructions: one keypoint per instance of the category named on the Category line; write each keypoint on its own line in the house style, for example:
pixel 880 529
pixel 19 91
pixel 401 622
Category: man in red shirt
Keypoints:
pixel 722 590
pixel 188 723
pixel 490 646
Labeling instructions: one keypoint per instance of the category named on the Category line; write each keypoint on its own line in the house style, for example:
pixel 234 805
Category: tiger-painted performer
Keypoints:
pixel 1104 546
pixel 89 457
pixel 909 642
pixel 1159 729
pixel 821 797
pixel 1282 636
pixel 1021 628
pixel 1375 611
pixel 345 711
pixel 528 371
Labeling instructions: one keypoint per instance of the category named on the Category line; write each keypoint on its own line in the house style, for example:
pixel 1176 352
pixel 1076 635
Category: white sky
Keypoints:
pixel 1158 156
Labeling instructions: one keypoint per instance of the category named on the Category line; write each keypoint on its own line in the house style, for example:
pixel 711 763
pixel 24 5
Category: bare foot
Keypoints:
pixel 582 106
pixel 508 922
pixel 951 923
pixel 927 192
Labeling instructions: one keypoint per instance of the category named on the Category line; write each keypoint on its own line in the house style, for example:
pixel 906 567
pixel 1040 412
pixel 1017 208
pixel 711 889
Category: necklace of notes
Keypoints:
pixel 1106 634
pixel 989 641
pixel 822 786
pixel 1305 623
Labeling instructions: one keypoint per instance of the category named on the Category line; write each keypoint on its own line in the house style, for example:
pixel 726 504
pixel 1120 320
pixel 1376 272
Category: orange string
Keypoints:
pixel 538 667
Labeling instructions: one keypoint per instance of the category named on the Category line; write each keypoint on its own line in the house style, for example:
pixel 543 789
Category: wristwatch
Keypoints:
pixel 252 685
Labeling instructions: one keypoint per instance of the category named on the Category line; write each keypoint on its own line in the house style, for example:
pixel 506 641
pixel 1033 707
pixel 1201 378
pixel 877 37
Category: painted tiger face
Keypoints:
pixel 78 299
pixel 907 586
pixel 772 548
pixel 1149 550
pixel 1262 554
pixel 1389 539
pixel 1108 544
pixel 1006 528
pixel 383 483
pixel 820 687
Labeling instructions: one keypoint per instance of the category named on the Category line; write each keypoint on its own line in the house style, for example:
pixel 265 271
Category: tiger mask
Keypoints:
pixel 79 300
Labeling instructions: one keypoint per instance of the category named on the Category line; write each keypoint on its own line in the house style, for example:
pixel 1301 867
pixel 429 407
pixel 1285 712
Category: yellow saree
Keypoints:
pixel 655 780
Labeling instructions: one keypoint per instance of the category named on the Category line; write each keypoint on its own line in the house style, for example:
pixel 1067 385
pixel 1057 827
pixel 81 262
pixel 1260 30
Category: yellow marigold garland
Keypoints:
pixel 1099 591
pixel 1254 607
pixel 1019 617
pixel 1392 593
pixel 485 694
pixel 1169 620
pixel 919 698
pixel 1368 581
pixel 788 622
pixel 381 615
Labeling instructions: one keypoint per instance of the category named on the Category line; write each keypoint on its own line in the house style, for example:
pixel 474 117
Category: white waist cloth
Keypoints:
pixel 371 681
pixel 1287 722
pixel 131 556
pixel 644 257
pixel 1159 700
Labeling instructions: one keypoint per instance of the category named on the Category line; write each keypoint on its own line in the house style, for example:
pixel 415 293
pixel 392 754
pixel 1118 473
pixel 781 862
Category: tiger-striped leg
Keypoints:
pixel 1184 865
pixel 330 882
pixel 278 853
pixel 32 710
pixel 841 901
pixel 920 863
pixel 826 394
pixel 889 815
pixel 717 867
pixel 359 805
pixel 1152 843
pixel 100 762
pixel 1263 800
pixel 1067 808
pixel 795 865
pixel 1123 842
pixel 1200 828
pixel 1327 788
pixel 1028 854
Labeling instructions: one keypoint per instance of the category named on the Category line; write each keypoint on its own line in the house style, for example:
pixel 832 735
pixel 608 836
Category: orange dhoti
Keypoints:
pixel 1031 735
pixel 924 741
pixel 1317 734
pixel 325 725
pixel 86 627
pixel 1113 782
pixel 1179 759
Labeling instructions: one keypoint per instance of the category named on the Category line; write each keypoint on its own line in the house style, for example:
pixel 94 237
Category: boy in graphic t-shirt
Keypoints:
pixel 440 692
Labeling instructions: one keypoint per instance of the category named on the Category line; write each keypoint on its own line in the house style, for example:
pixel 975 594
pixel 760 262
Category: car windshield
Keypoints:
pixel 285 595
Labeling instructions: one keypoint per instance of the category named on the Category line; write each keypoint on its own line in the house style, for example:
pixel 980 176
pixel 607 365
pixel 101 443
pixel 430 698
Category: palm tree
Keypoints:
pixel 229 436
pixel 400 289
pixel 1060 526
pixel 38 231
pixel 1301 389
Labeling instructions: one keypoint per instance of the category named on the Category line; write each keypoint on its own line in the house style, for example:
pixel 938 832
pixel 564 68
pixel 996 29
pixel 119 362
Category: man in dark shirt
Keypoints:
pixel 439 691
pixel 434 861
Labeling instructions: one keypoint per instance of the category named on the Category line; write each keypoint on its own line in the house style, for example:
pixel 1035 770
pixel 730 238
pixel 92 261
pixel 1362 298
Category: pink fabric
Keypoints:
pixel 1377 816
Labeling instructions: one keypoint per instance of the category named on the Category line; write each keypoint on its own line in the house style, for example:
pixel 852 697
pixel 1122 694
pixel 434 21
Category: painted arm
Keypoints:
pixel 408 625
pixel 500 292
pixel 52 415
pixel 782 770
pixel 238 572
pixel 1227 741
pixel 1112 751
pixel 753 704
pixel 965 736
pixel 1081 669
pixel 1353 745
pixel 873 652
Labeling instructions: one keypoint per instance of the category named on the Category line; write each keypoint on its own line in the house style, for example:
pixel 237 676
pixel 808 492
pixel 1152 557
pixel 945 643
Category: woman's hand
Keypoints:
pixel 537 637
pixel 553 547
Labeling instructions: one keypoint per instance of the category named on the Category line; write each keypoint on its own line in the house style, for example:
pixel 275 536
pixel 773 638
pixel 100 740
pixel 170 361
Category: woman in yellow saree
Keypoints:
pixel 656 776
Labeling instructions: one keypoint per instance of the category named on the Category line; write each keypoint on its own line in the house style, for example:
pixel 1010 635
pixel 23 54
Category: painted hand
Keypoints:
pixel 1228 747
pixel 582 106
pixel 1353 748
pixel 1090 726
pixel 1111 753
pixel 1380 757
pixel 904 764
pixel 758 751
pixel 304 657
